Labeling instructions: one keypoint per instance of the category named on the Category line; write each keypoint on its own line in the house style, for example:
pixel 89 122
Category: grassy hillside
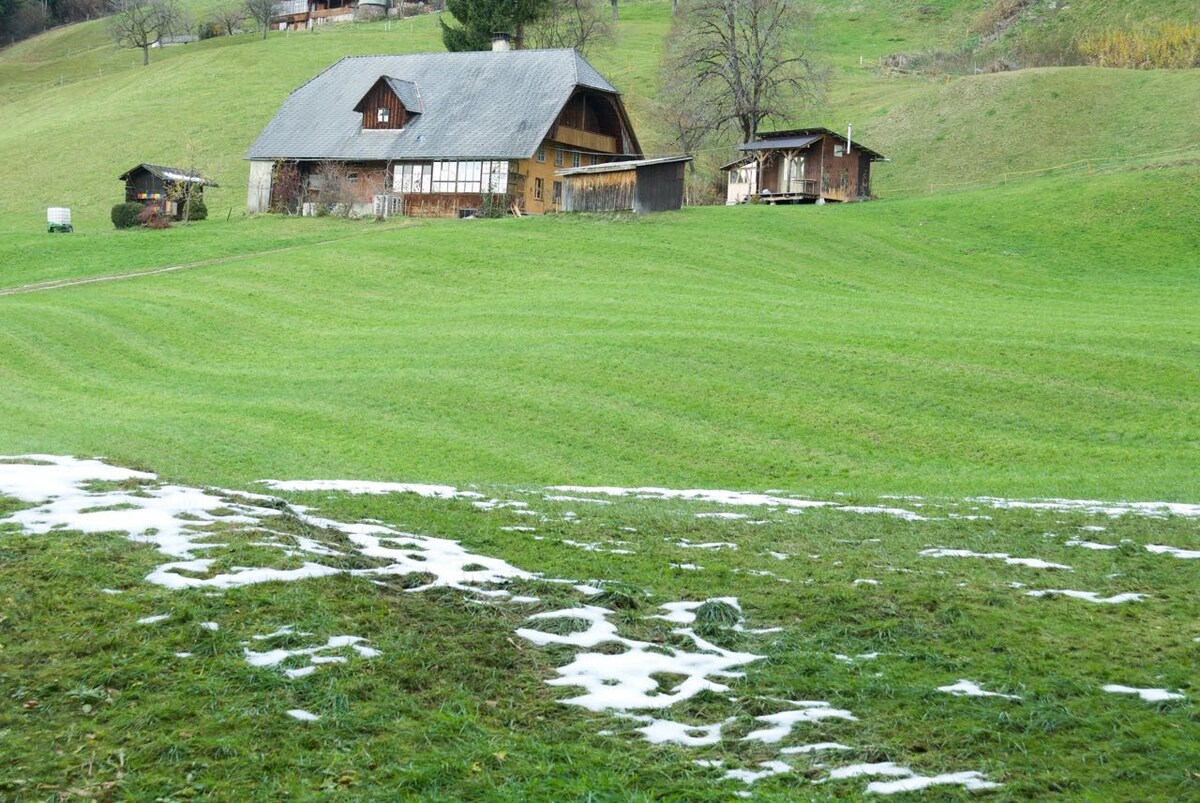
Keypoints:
pixel 80 111
pixel 1036 339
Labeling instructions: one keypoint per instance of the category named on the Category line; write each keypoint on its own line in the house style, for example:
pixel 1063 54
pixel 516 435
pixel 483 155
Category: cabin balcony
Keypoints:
pixel 796 190
pixel 585 139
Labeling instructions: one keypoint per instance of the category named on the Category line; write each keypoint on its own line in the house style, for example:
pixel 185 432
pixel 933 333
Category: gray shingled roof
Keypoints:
pixel 477 105
pixel 408 93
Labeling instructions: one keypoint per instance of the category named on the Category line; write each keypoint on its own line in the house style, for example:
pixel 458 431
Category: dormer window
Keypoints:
pixel 390 103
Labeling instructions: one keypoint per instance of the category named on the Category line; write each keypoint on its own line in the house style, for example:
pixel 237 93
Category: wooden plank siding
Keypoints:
pixel 614 191
pixel 382 97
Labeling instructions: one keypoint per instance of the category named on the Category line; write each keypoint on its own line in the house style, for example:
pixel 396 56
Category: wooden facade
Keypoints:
pixel 642 185
pixel 164 187
pixel 804 166
pixel 381 108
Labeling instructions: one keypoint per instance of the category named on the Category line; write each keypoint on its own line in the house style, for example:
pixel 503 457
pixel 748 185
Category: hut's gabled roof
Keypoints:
pixel 176 174
pixel 798 138
pixel 476 105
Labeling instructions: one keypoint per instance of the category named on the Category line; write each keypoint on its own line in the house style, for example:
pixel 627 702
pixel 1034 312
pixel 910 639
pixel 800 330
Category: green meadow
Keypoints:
pixel 908 364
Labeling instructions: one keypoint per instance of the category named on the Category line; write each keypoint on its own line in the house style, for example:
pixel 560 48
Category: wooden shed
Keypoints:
pixel 807 165
pixel 640 185
pixel 164 187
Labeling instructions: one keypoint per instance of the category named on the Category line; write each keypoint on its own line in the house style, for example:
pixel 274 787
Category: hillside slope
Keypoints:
pixel 1036 339
pixel 81 112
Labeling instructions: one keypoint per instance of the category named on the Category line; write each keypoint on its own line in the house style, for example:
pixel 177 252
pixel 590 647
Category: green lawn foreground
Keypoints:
pixel 455 706
pixel 1033 340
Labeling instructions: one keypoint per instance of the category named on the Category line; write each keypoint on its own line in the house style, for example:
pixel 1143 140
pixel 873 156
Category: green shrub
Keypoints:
pixel 125 216
pixel 196 210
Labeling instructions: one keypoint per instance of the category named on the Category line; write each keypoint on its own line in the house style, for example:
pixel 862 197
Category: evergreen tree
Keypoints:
pixel 479 19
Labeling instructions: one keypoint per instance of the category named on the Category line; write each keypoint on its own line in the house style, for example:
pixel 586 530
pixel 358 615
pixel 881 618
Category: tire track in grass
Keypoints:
pixel 60 284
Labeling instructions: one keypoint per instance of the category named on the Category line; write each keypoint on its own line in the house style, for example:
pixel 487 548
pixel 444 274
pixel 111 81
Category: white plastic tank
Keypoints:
pixel 58 218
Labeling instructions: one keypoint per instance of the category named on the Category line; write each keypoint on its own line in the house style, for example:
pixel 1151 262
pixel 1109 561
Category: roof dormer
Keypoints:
pixel 389 104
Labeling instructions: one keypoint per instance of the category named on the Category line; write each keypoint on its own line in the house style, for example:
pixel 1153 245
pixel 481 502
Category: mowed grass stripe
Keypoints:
pixel 852 348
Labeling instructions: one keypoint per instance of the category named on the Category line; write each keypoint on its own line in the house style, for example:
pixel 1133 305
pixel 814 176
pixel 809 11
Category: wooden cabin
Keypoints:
pixel 806 165
pixel 638 185
pixel 300 15
pixel 164 187
pixel 439 134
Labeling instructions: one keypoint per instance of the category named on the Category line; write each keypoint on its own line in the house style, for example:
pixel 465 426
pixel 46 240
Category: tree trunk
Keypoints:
pixel 145 55
pixel 674 7
pixel 616 13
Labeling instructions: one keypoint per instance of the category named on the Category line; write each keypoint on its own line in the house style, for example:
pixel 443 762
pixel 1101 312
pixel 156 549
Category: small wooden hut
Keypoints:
pixel 638 185
pixel 164 187
pixel 805 165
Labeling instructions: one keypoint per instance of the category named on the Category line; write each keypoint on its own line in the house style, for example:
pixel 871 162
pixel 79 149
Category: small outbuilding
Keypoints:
pixel 806 165
pixel 164 187
pixel 638 185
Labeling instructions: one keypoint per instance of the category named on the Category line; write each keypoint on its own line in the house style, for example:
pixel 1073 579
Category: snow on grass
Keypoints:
pixel 624 681
pixel 1092 506
pixel 781 724
pixel 1149 695
pixel 1183 554
pixel 741 498
pixel 592 547
pixel 316 655
pixel 687 567
pixel 664 731
pixel 367 487
pixel 971 781
pixel 1089 544
pixel 1033 563
pixel 213 626
pixel 849 659
pixel 814 748
pixel 862 581
pixel 885 768
pixel 302 715
pixel 1090 596
pixel 969 688
pixel 771 768
pixel 149 620
pixel 898 512
pixel 727 515
pixel 686 544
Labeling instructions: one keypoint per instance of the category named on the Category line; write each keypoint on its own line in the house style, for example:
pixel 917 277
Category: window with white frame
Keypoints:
pixel 452 177
pixel 576 159
pixel 382 115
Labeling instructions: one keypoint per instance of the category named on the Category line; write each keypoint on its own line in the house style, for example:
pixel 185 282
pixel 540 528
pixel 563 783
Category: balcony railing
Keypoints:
pixel 585 139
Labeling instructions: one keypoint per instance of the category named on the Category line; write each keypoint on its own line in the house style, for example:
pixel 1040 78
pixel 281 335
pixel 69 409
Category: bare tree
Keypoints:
pixel 229 19
pixel 261 11
pixel 570 23
pixel 743 61
pixel 141 23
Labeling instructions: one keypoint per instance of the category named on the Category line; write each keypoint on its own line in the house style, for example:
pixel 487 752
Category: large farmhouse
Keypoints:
pixel 438 134
pixel 806 165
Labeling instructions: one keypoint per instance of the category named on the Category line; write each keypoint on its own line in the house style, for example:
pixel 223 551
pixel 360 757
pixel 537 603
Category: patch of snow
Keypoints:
pixel 972 781
pixel 664 731
pixel 1033 563
pixel 779 555
pixel 183 655
pixel 111 591
pixel 149 620
pixel 686 544
pixel 1090 596
pixel 369 487
pixel 1183 554
pixel 302 715
pixel 969 688
pixel 813 748
pixel 750 776
pixel 1110 509
pixel 697 495
pixel 519 529
pixel 866 656
pixel 1149 695
pixel 865 582
pixel 1093 528
pixel 592 547
pixel 708 762
pixel 1088 544
pixel 213 626
pixel 578 499
pixel 885 768
pixel 729 516
pixel 898 512
pixel 623 681
pixel 691 567
pixel 278 656
pixel 781 724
